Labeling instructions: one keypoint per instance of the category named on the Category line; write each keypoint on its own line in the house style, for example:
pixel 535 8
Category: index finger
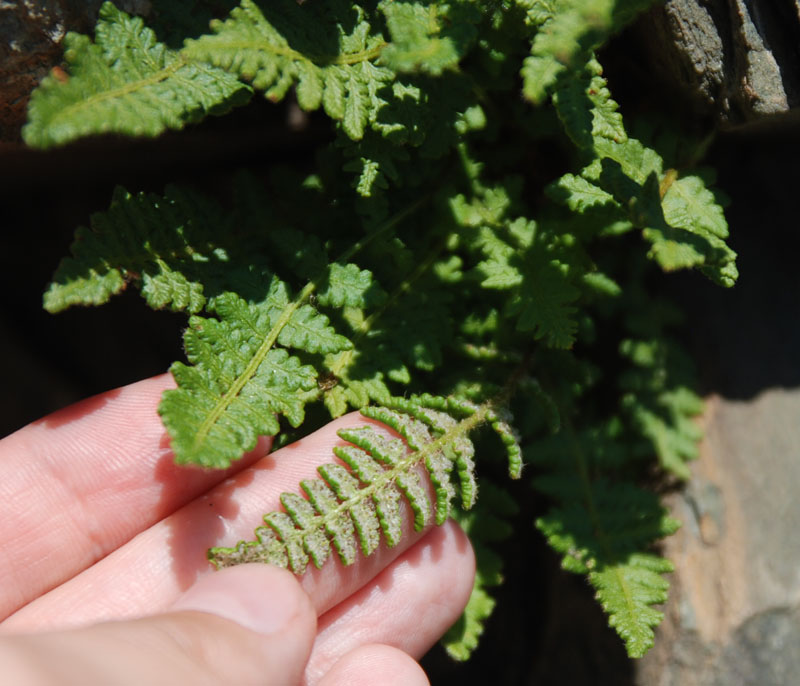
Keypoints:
pixel 83 481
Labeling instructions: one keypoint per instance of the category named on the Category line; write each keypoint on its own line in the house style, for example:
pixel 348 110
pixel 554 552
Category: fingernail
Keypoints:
pixel 262 598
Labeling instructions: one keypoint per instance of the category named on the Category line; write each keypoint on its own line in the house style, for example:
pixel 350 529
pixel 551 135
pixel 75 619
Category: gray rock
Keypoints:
pixel 736 60
pixel 733 618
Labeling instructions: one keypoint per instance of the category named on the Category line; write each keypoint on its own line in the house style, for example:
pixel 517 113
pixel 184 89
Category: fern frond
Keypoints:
pixel 533 266
pixel 125 82
pixel 239 379
pixel 308 46
pixel 601 524
pixel 351 506
pixel 660 403
pixel 462 638
pixel 418 306
pixel 627 590
pixel 678 216
pixel 586 108
pixel 603 532
pixel 242 373
pixel 166 245
pixel 374 160
pixel 426 37
pixel 690 205
pixel 567 31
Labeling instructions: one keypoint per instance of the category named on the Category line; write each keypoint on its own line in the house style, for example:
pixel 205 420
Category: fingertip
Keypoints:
pixel 375 664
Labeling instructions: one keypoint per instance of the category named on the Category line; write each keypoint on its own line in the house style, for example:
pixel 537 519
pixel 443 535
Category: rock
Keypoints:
pixel 735 60
pixel 733 618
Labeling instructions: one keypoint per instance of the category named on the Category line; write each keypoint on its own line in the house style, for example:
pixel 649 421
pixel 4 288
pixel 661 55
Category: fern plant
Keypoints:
pixel 421 273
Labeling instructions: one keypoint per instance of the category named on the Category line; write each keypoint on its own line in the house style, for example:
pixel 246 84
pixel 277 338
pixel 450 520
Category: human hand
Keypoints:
pixel 104 576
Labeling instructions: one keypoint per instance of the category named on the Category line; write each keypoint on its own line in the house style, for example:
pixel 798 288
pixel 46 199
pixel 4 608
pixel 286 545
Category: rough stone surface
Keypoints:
pixel 736 60
pixel 734 614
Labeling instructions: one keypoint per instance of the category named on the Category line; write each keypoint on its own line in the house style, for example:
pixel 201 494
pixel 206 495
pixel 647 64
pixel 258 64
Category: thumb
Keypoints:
pixel 251 624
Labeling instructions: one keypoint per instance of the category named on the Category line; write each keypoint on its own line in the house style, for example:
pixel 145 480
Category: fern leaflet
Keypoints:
pixel 677 214
pixel 660 403
pixel 428 37
pixel 566 32
pixel 331 67
pixel 166 244
pixel 240 379
pixel 627 591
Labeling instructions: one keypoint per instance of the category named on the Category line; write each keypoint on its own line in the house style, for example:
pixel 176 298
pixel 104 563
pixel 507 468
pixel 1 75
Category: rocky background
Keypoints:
pixel 733 65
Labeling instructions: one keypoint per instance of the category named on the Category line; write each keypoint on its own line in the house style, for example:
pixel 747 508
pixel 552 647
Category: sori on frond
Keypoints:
pixel 358 499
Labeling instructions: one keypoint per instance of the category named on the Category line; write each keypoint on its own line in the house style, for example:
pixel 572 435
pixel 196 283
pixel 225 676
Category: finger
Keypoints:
pixel 249 625
pixel 148 573
pixel 83 481
pixel 409 606
pixel 373 664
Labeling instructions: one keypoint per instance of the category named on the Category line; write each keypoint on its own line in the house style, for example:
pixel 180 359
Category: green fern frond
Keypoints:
pixel 660 404
pixel 627 590
pixel 603 532
pixel 352 506
pixel 418 306
pixel 586 109
pixel 166 245
pixel 541 291
pixel 125 82
pixel 428 37
pixel 567 31
pixel 462 638
pixel 375 162
pixel 678 215
pixel 581 195
pixel 240 380
pixel 690 205
pixel 304 46
pixel 527 261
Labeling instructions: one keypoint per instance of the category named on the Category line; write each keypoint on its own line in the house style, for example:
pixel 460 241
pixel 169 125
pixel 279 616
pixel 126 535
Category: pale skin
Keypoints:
pixel 105 581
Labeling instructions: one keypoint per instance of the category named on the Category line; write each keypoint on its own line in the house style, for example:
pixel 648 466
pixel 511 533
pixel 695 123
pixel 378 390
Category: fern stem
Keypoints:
pixel 356 57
